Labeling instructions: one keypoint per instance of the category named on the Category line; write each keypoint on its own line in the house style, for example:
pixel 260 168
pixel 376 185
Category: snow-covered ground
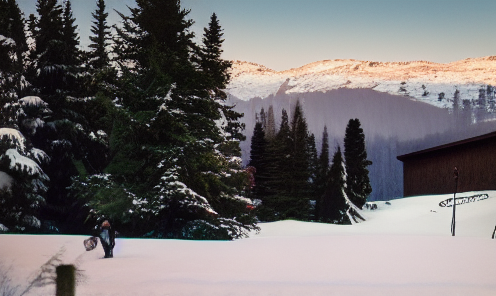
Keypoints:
pixel 404 248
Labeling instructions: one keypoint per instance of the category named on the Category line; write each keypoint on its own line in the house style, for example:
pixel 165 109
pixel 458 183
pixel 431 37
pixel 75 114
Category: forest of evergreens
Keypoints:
pixel 293 181
pixel 136 129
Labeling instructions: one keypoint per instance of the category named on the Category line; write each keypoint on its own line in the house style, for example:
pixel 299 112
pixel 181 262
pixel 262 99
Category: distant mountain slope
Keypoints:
pixel 420 79
pixel 398 105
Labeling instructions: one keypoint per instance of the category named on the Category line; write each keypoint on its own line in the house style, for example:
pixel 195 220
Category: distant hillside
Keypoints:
pixel 398 115
pixel 419 80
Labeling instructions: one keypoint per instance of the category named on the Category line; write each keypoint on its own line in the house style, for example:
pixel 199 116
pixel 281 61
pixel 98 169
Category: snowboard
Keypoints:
pixel 90 243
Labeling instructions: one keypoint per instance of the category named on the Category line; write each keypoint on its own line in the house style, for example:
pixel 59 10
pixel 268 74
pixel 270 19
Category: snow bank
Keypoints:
pixel 404 248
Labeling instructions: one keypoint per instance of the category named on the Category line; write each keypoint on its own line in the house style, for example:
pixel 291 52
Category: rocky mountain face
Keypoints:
pixel 402 107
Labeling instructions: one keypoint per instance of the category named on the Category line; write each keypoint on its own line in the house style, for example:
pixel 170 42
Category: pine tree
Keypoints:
pixel 257 158
pixel 216 77
pixel 279 165
pixel 176 165
pixel 21 170
pixel 333 204
pixel 75 144
pixel 313 172
pixel 357 183
pixel 12 49
pixel 300 166
pixel 24 183
pixel 290 170
pixel 71 52
pixel 322 170
pixel 270 129
pixel 98 55
pixel 49 51
pixel 210 57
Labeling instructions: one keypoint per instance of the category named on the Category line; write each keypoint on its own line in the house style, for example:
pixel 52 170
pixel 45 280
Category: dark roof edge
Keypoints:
pixel 444 146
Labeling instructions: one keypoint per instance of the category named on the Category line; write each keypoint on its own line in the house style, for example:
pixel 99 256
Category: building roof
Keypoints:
pixel 445 146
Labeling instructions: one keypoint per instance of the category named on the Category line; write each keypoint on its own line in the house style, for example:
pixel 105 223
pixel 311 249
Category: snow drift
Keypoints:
pixel 404 248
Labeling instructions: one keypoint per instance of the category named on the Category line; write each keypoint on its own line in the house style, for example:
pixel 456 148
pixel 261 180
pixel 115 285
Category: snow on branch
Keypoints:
pixel 5 41
pixel 354 213
pixel 24 164
pixel 15 136
pixel 33 101
pixel 39 155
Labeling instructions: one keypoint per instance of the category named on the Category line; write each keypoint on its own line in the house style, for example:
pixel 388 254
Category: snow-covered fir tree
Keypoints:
pixel 175 168
pixel 23 181
pixel 335 206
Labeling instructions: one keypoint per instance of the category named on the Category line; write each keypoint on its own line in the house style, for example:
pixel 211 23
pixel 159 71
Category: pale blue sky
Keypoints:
pixel 283 34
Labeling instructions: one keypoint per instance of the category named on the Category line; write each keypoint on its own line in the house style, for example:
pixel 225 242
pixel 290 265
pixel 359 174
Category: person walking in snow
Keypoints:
pixel 107 238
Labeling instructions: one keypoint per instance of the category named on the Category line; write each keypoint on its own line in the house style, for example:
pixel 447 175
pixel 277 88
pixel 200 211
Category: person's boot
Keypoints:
pixel 111 253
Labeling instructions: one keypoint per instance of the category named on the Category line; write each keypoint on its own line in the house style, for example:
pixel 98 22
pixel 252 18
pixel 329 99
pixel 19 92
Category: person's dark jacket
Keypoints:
pixel 110 241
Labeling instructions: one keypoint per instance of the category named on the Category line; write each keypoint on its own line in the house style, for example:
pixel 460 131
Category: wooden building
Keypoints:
pixel 431 171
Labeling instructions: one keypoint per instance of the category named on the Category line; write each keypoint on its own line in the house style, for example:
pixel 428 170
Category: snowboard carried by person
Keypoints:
pixel 90 243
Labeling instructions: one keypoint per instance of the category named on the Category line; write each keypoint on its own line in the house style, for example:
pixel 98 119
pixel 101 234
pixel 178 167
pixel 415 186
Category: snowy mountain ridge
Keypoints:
pixel 421 80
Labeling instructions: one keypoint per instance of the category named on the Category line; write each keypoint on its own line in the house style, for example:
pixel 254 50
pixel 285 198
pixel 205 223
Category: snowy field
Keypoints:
pixel 404 248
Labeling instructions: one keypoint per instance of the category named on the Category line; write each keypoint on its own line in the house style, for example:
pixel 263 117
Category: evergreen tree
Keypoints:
pixel 24 183
pixel 70 36
pixel 98 55
pixel 333 204
pixel 357 182
pixel 49 51
pixel 71 52
pixel 322 175
pixel 74 141
pixel 100 76
pixel 313 172
pixel 300 166
pixel 175 147
pixel 210 57
pixel 270 129
pixel 12 49
pixel 279 165
pixel 259 160
pixel 290 171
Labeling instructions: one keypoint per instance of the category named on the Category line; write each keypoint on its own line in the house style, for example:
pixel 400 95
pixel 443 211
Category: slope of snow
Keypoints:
pixel 420 79
pixel 404 248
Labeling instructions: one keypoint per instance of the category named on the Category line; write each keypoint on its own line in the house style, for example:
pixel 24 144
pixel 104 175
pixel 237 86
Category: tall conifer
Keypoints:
pixel 270 129
pixel 300 190
pixel 175 146
pixel 357 182
pixel 98 55
pixel 333 205
pixel 322 169
pixel 49 51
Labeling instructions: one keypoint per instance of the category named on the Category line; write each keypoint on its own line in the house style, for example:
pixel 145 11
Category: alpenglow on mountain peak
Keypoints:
pixel 421 80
